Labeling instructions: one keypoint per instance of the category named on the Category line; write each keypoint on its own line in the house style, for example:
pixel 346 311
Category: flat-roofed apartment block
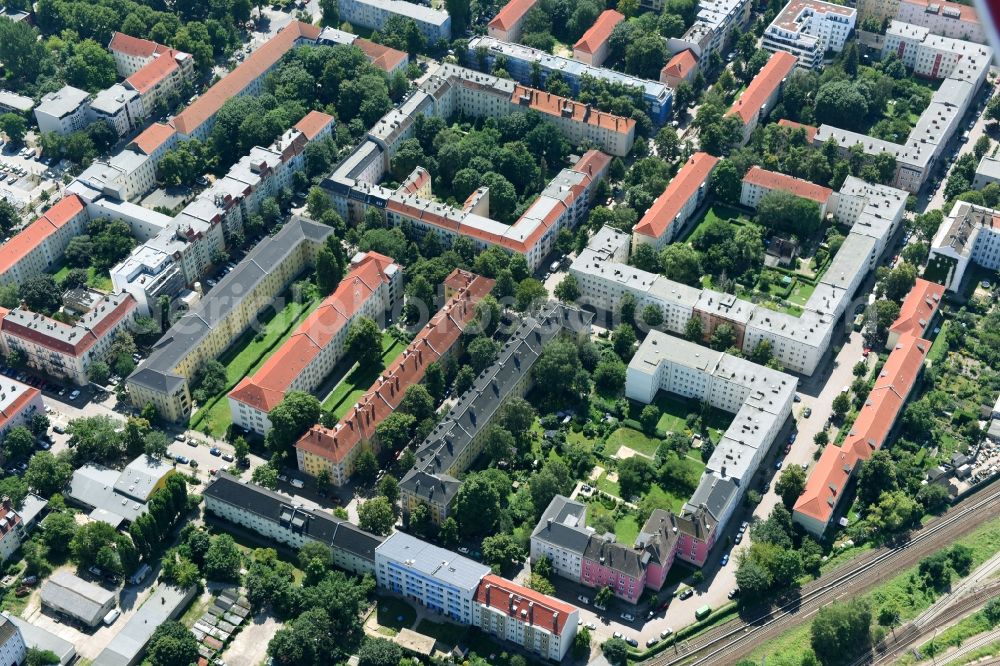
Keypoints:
pixel 684 194
pixel 808 29
pixel 816 508
pixel 917 312
pixel 756 102
pixel 41 244
pixel 713 25
pixel 457 439
pixel 120 107
pixel 334 450
pixel 274 516
pixel 761 399
pixel 520 62
pixel 222 316
pixel 757 182
pixel 592 48
pixel 18 402
pixel 370 289
pixel 948 19
pixel 437 579
pixel 63 111
pixel 962 67
pixel 67 350
pixel 15 103
pixel 434 24
pixel 535 621
pixel 509 21
pixel 988 171
pixel 970 234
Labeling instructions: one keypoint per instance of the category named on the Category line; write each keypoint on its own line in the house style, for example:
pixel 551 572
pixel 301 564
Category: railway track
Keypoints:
pixel 727 643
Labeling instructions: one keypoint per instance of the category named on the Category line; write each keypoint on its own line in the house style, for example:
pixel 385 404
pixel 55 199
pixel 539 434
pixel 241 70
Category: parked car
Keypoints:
pixel 181 459
pixel 807 412
pixel 227 457
pixel 74 395
pixel 628 617
pixel 583 600
pixel 733 593
pixel 686 594
pixel 738 538
pixel 725 559
pixel 666 632
pixel 777 465
pixel 215 451
pixel 617 634
pixel 651 642
pixel 112 615
pixel 179 438
pixel 194 463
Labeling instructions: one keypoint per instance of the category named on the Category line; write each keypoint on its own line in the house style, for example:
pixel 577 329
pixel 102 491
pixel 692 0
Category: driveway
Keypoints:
pixel 250 645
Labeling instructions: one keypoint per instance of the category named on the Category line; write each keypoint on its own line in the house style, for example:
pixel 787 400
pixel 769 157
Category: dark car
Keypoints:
pixel 631 641
pixel 686 594
pixel 181 459
pixel 215 451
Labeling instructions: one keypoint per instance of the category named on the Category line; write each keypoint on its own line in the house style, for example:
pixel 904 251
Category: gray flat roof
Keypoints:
pixel 15 101
pixel 430 560
pixel 63 102
pixel 75 596
pixel 164 604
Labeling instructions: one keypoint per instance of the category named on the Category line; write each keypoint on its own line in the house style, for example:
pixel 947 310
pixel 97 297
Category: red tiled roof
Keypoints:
pixel 678 192
pixel 14 408
pixel 154 72
pixel 680 66
pixel 6 508
pixel 511 13
pixel 772 180
pixel 918 308
pixel 599 33
pixel 135 46
pixel 153 137
pixel 563 107
pixel 34 234
pixel 593 163
pixel 810 129
pixel 523 604
pixel 313 123
pixel 763 85
pixel 383 57
pixel 434 341
pixel 87 339
pixel 870 429
pixel 266 388
pixel 234 83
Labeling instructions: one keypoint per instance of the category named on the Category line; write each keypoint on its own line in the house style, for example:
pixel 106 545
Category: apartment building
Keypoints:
pixel 666 218
pixel 757 182
pixel 222 316
pixel 962 67
pixel 387 59
pixel 334 450
pixel 917 312
pixel 808 29
pixel 275 516
pixel 508 24
pixel 152 70
pixel 682 67
pixel 755 104
pixel 67 350
pixel 969 235
pixel 762 401
pixel 63 111
pixel 537 622
pixel 988 171
pixel 948 19
pixel 13 649
pixel 714 23
pixel 370 289
pixel 561 535
pixel 14 103
pixel 582 124
pixel 433 24
pixel 435 578
pixel 592 48
pixel 120 107
pixel 457 439
pixel 817 507
pixel 18 402
pixel 519 61
pixel 41 244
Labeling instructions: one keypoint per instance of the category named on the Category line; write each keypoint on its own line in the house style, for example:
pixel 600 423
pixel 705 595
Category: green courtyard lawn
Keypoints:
pixel 801 292
pixel 634 440
pixel 626 526
pixel 717 211
pixel 96 280
pixel 245 356
pixel 674 411
pixel 359 379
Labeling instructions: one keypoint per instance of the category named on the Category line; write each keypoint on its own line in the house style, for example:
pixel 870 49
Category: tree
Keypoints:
pixel 840 405
pixel 477 505
pixel 615 649
pixel 646 55
pixel 40 293
pixel 498 444
pixel 604 596
pixel 623 340
pixel 482 352
pixel 518 416
pixel 364 341
pixel 331 264
pixel 609 376
pixel 877 475
pixel 172 643
pixel 379 651
pixel 265 475
pixel 581 644
pixel 499 550
pixel 223 559
pixel 435 381
pixel 18 443
pixel 790 485
pixel 634 476
pixel 14 126
pixel 37 657
pixel 376 516
pixel 464 379
pixel 417 402
pixel 839 103
pixel 155 443
pixel 209 380
pixel 682 263
pixel 47 474
pixel 529 293
pixel 649 417
pixel 99 372
pixel 898 282
pixel 366 466
pixel 388 487
pixel 558 363
pixel 568 291
pixel 296 412
pixel 785 212
pixel 693 329
pixel 330 11
pixel 726 181
pixel 22 51
pixel 241 451
pixel 395 430
pixel 840 631
pixel 652 315
pixel 723 337
pixel 58 530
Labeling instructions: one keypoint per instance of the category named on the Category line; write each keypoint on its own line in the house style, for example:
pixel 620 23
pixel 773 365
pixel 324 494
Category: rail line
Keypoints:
pixel 728 642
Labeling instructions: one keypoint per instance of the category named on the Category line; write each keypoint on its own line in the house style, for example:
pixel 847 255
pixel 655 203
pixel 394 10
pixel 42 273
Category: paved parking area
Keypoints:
pixel 250 645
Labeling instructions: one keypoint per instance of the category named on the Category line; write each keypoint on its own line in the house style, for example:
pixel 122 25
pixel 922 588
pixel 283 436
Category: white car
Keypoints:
pixel 112 615
pixel 74 395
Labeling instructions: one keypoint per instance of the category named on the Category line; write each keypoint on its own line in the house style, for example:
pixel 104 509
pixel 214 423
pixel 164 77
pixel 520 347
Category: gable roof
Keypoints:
pixel 134 46
pixel 768 80
pixel 810 129
pixel 313 123
pixel 772 180
pixel 678 192
pixel 511 13
pixel 34 234
pixel 153 137
pixel 918 308
pixel 599 33
pixel 524 604
pixel 383 57
pixel 680 66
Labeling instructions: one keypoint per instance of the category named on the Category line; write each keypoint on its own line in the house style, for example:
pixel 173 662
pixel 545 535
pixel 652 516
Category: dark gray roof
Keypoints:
pixel 477 406
pixel 440 488
pixel 156 372
pixel 658 536
pixel 76 597
pixel 276 508
pixel 564 524
pixel 615 556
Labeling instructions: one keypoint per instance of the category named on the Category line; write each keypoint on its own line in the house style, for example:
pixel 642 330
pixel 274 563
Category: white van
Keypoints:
pixel 297 483
pixel 112 615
